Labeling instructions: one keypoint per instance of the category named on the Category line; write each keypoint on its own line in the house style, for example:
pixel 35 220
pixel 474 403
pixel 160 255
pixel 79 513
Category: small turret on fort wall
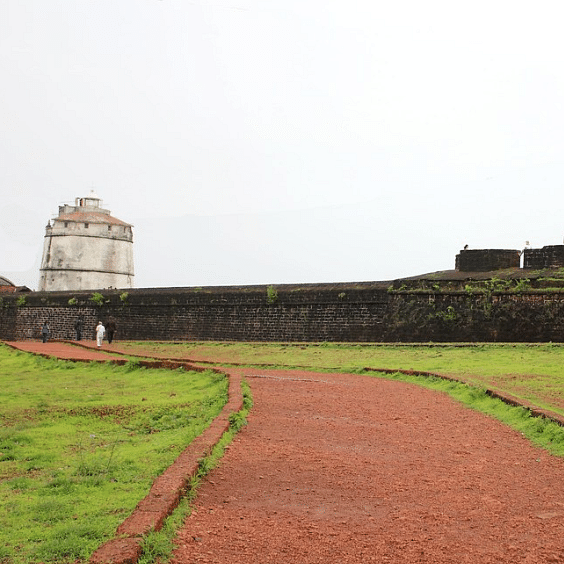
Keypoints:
pixel 485 260
pixel 86 248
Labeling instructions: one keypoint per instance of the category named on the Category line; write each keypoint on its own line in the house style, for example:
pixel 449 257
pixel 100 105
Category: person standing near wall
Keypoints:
pixel 78 328
pixel 111 328
pixel 100 330
pixel 45 332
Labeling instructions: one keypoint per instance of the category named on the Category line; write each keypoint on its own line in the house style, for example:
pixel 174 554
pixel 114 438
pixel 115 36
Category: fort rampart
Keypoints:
pixel 364 312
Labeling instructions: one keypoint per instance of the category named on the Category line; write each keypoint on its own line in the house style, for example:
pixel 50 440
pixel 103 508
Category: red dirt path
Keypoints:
pixel 65 351
pixel 350 469
pixel 343 469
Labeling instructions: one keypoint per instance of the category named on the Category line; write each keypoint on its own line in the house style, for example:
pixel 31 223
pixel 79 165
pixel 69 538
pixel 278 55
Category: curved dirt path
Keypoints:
pixel 349 469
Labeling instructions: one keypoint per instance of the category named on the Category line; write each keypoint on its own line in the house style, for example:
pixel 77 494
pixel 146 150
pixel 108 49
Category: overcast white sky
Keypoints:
pixel 261 141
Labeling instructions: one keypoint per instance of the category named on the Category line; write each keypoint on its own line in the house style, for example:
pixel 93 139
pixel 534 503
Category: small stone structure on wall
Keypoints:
pixel 486 260
pixel 551 256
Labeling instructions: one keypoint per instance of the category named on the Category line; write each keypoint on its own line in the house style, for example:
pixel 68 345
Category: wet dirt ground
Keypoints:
pixel 350 469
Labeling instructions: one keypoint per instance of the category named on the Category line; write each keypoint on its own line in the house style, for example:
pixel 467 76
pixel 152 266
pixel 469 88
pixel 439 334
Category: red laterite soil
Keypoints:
pixel 339 469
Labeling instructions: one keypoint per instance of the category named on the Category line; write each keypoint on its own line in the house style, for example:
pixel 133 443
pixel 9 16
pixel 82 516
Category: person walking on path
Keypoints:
pixel 78 328
pixel 45 332
pixel 111 328
pixel 100 330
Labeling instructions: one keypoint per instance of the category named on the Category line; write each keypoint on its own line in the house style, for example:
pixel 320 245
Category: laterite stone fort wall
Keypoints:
pixel 366 312
pixel 293 313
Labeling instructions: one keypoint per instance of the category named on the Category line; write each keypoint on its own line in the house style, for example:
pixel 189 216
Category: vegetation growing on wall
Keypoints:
pixel 98 299
pixel 271 295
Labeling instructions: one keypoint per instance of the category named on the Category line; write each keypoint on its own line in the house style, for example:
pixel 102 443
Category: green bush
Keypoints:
pixel 98 299
pixel 271 295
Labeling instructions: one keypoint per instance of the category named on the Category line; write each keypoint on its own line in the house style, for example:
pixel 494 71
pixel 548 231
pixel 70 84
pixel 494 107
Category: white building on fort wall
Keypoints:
pixel 86 249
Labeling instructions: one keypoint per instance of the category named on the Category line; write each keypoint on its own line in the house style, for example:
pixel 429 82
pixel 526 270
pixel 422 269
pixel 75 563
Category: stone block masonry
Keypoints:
pixel 364 312
pixel 485 260
pixel 336 312
pixel 551 257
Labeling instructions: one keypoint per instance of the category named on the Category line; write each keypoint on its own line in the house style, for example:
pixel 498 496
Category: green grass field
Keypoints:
pixel 80 445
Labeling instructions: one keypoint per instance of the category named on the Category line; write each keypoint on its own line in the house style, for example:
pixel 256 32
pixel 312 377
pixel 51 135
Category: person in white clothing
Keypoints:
pixel 100 330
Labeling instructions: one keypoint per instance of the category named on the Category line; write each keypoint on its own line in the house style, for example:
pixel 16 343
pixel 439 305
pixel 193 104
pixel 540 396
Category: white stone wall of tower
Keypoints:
pixel 93 251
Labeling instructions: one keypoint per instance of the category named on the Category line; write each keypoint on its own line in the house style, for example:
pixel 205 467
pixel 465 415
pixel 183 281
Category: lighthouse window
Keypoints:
pixel 86 225
pixel 109 227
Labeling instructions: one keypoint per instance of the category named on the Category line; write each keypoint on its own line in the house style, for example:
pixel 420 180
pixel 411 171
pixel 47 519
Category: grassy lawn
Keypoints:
pixel 534 373
pixel 80 445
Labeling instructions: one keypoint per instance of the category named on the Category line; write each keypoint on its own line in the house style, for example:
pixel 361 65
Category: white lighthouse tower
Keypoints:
pixel 86 248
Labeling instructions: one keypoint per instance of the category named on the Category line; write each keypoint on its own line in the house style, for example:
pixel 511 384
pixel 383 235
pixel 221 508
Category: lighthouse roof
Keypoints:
pixel 91 217
pixel 88 210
